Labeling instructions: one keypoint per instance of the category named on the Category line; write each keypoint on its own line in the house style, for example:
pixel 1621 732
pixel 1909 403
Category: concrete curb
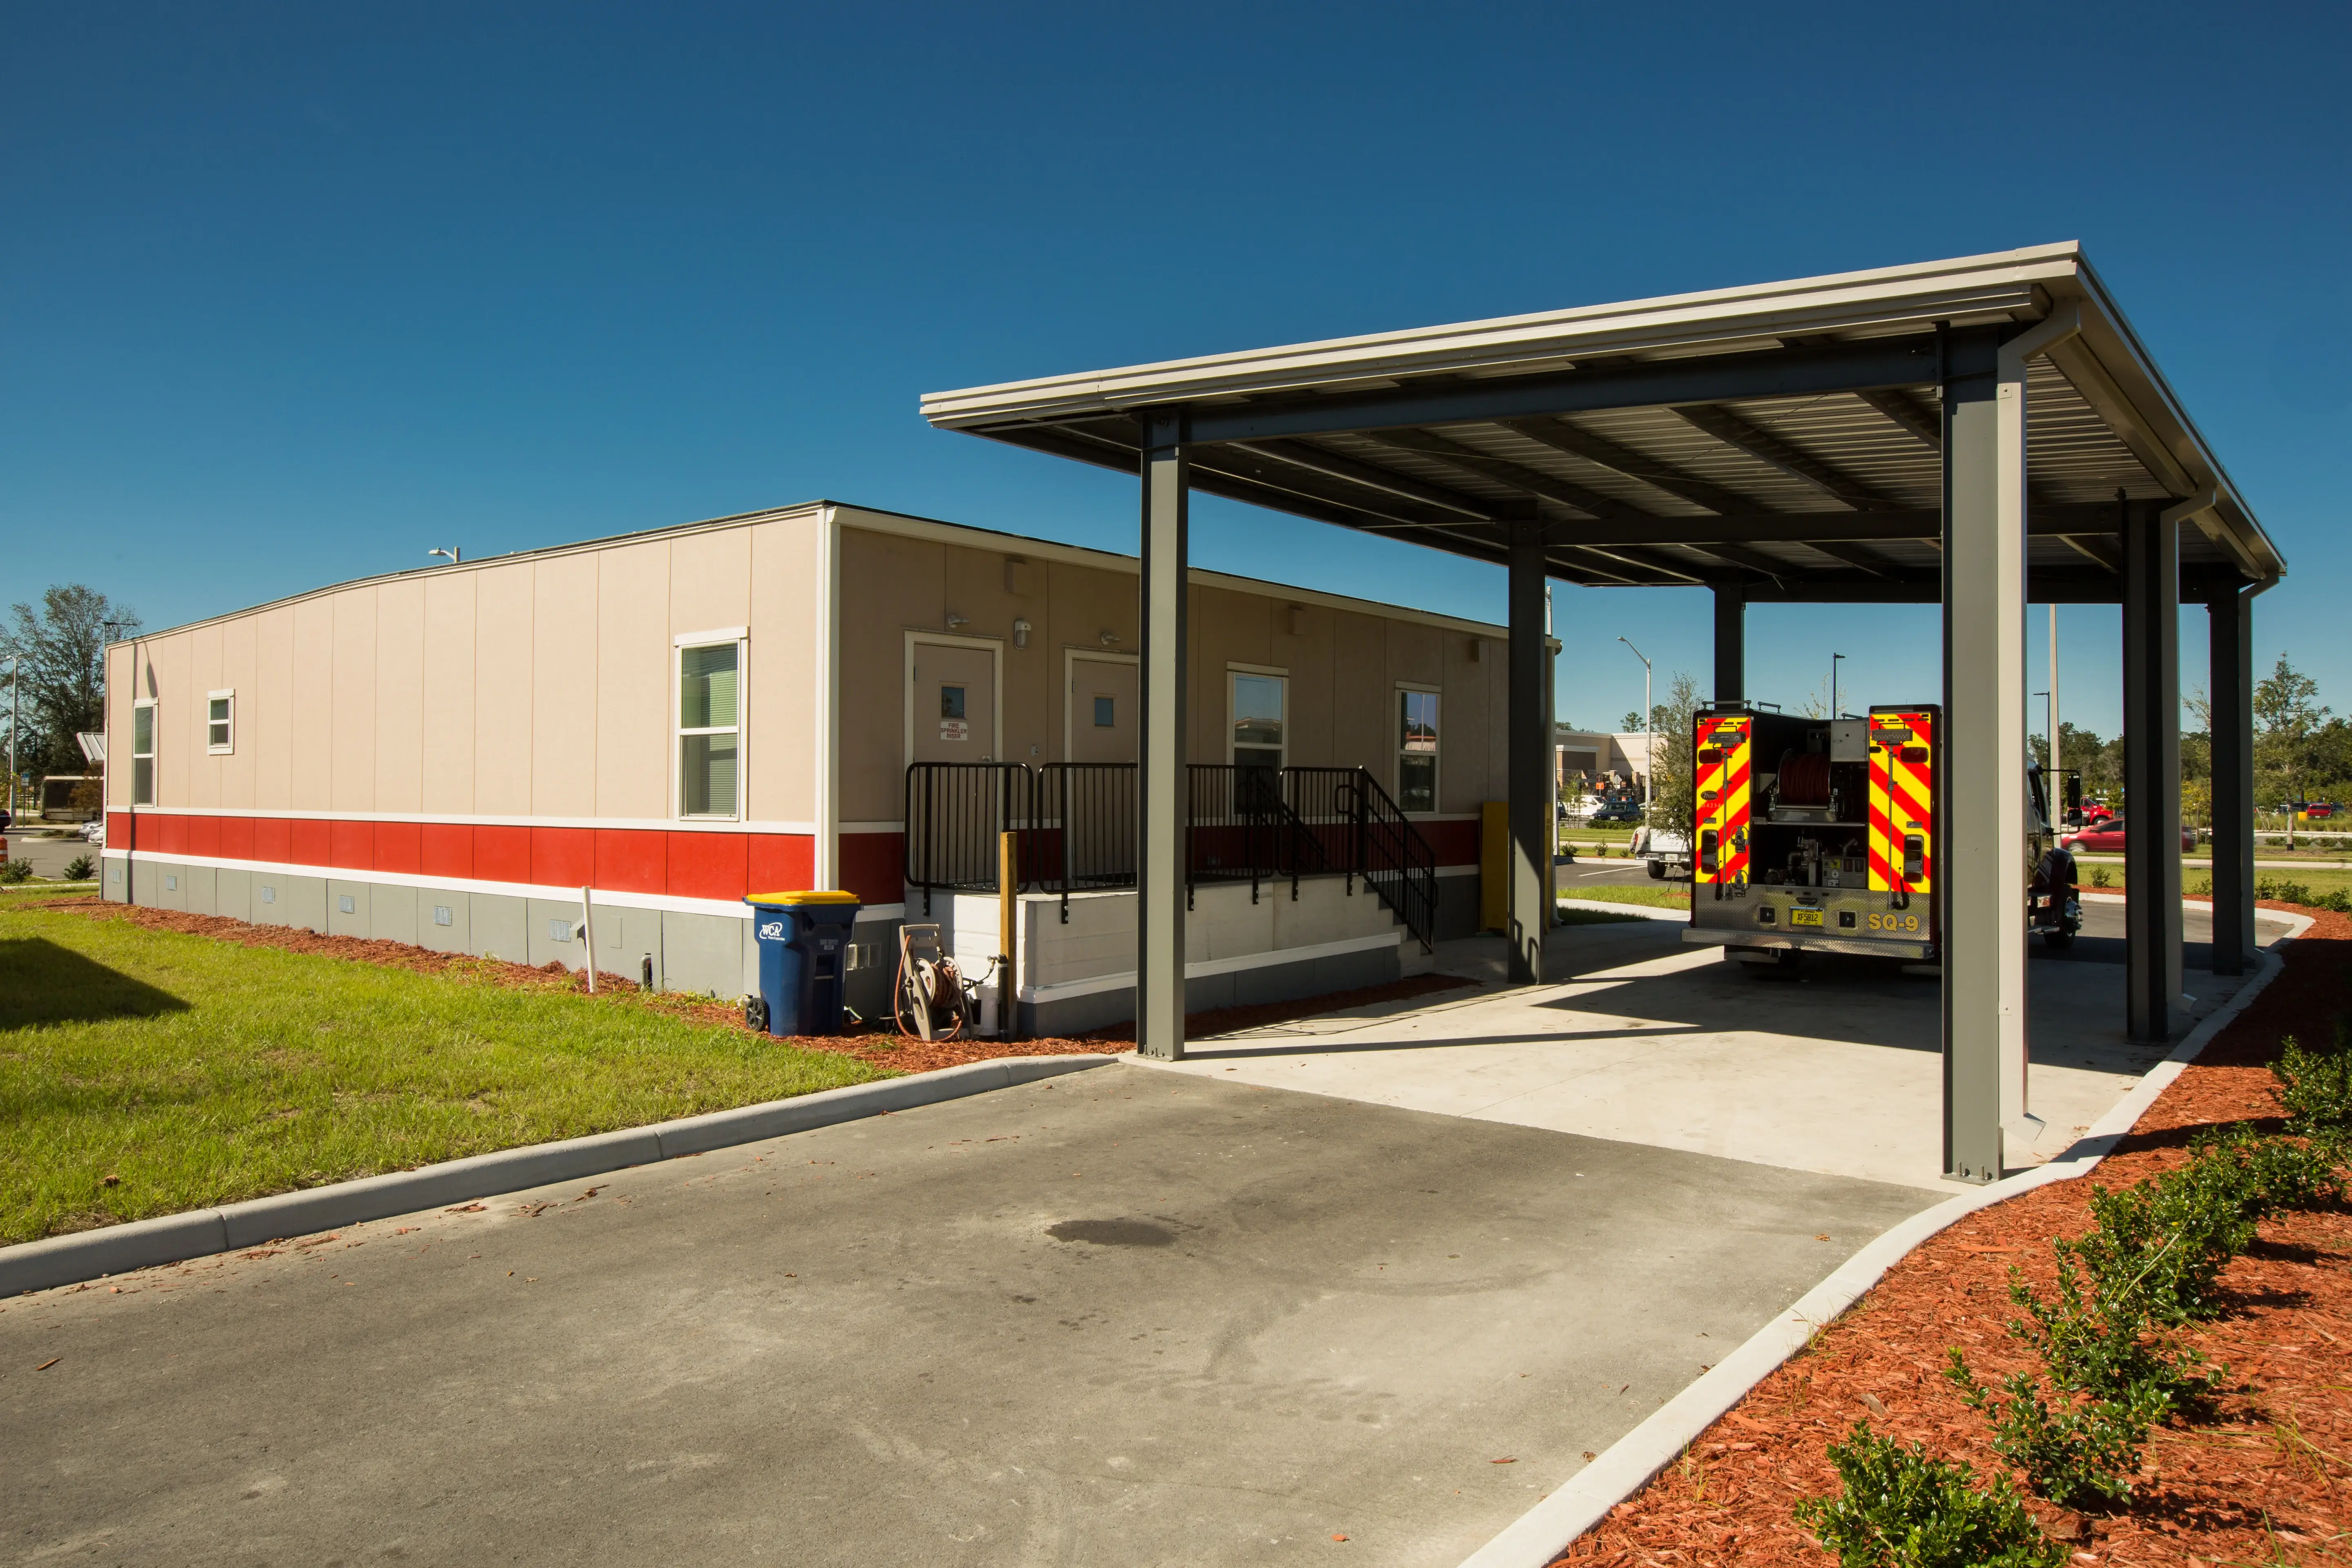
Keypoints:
pixel 174 1238
pixel 1550 1528
pixel 1646 911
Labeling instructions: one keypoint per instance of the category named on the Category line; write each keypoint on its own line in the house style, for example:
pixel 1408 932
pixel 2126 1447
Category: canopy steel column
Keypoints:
pixel 2151 770
pixel 1730 641
pixel 1161 797
pixel 1982 877
pixel 2230 675
pixel 1527 760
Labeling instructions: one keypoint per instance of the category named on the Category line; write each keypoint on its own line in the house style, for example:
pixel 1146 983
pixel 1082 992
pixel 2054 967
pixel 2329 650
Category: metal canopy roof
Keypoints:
pixel 1786 435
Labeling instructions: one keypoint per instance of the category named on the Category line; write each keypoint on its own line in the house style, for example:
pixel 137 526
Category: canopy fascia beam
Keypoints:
pixel 1870 364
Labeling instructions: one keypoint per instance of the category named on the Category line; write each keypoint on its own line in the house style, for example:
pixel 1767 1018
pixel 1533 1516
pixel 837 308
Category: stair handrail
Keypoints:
pixel 1396 861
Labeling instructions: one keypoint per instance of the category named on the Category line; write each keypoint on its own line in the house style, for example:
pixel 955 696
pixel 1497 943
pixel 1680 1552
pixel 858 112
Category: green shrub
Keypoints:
pixel 2101 1343
pixel 2316 1087
pixel 80 868
pixel 1902 1510
pixel 2286 892
pixel 2102 878
pixel 2164 1243
pixel 2078 1456
pixel 15 870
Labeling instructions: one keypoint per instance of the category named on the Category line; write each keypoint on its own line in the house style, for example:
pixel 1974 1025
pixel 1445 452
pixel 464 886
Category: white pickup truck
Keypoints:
pixel 1668 853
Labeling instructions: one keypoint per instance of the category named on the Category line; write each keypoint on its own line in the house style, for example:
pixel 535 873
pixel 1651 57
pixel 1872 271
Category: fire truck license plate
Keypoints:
pixel 1804 917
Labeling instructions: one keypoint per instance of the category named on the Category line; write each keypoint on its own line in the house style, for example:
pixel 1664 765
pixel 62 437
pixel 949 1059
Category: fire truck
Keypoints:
pixel 1824 834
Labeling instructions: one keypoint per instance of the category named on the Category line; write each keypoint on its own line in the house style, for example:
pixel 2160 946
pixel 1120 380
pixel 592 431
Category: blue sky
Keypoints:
pixel 291 293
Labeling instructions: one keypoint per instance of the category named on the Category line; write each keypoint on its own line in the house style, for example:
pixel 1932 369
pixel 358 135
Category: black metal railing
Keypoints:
pixel 1240 827
pixel 954 813
pixel 1077 831
pixel 1083 837
pixel 1396 860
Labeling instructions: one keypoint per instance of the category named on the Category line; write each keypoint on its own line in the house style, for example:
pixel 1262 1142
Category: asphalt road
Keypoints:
pixel 50 856
pixel 1127 1317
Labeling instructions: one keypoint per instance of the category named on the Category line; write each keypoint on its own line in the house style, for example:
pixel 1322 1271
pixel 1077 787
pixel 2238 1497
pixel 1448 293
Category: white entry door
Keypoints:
pixel 951 703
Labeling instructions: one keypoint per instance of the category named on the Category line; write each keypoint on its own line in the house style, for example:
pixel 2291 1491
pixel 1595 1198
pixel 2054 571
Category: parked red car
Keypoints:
pixel 2107 839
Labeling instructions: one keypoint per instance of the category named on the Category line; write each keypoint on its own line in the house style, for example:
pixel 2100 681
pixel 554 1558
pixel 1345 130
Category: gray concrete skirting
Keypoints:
pixel 1549 1528
pixel 174 1238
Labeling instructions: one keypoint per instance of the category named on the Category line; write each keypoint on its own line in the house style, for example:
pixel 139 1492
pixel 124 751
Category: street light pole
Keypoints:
pixel 455 554
pixel 2054 756
pixel 16 670
pixel 1649 734
pixel 1835 711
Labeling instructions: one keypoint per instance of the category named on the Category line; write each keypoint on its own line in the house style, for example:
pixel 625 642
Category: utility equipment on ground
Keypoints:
pixel 930 998
pixel 1824 834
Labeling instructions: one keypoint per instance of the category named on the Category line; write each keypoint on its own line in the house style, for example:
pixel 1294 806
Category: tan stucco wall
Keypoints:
pixel 541 687
pixel 1343 664
pixel 534 688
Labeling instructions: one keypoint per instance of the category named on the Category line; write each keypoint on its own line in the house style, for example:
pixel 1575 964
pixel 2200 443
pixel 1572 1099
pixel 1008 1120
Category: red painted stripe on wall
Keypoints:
pixel 445 850
pixel 874 865
pixel 778 863
pixel 1456 843
pixel 562 857
pixel 351 845
pixel 630 860
pixel 502 853
pixel 709 866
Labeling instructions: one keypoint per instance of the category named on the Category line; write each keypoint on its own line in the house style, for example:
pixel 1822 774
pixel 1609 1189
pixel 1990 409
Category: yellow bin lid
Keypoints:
pixel 806 896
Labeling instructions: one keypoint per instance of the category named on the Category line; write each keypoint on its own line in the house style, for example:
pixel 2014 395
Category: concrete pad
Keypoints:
pixel 1837 1069
pixel 1125 1317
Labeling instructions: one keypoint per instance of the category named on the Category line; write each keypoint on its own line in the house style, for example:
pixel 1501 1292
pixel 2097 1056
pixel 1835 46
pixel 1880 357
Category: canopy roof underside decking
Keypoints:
pixel 1786 437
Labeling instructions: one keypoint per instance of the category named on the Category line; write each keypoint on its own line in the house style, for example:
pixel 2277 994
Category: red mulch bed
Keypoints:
pixel 877 1049
pixel 2269 1480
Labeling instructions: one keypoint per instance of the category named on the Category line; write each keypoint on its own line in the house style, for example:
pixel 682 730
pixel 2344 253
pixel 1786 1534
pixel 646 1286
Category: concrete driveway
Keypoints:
pixel 1129 1316
pixel 1835 1069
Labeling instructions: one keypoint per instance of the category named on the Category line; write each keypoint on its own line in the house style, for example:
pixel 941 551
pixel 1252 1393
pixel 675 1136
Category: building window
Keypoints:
pixel 1106 712
pixel 1257 732
pixel 220 723
pixel 143 753
pixel 709 730
pixel 1416 775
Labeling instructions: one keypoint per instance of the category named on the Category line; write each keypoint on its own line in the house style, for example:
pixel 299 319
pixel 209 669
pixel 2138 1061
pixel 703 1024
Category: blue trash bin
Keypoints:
pixel 804 941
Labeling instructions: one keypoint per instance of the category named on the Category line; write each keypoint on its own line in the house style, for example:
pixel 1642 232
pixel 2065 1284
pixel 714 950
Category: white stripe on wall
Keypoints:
pixel 629 824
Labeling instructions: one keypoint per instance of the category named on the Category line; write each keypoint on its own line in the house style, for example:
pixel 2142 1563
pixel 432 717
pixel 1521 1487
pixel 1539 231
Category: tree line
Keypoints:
pixel 60 646
pixel 2302 750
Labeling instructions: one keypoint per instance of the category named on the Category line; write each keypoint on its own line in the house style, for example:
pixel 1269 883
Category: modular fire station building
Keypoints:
pixel 671 720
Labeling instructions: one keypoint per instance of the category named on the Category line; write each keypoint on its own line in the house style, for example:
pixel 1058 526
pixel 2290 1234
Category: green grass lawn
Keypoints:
pixel 146 1072
pixel 2316 881
pixel 1655 895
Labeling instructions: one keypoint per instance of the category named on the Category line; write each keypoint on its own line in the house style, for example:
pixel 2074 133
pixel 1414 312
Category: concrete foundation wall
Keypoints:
pixel 689 951
pixel 1274 948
